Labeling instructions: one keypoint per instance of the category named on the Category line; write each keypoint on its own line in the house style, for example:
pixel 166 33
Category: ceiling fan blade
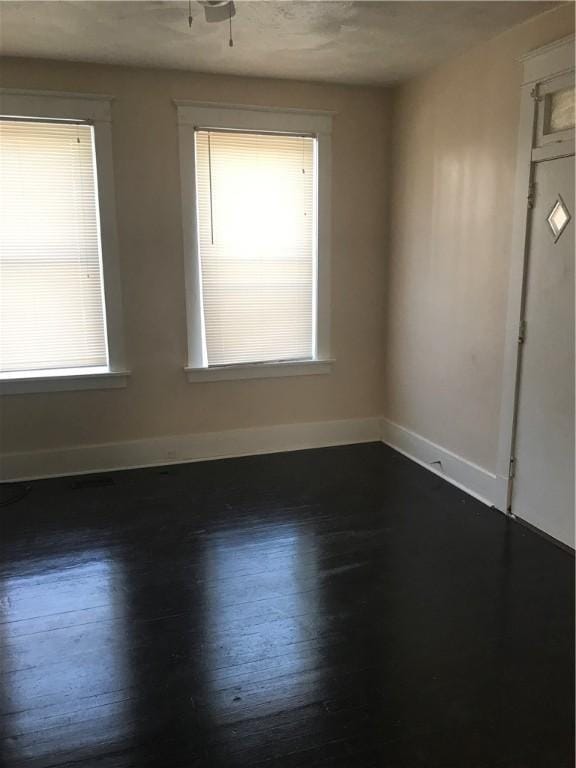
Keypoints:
pixel 219 12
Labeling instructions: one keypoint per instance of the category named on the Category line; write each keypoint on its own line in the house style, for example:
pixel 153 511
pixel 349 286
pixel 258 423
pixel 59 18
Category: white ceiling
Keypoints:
pixel 350 42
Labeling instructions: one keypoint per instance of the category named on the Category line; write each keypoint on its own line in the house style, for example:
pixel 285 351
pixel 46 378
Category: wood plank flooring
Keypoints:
pixel 339 607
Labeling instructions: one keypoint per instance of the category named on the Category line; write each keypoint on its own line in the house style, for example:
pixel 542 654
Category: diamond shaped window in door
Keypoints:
pixel 558 218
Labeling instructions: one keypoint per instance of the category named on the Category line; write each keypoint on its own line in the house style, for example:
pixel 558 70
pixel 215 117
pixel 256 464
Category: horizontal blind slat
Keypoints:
pixel 52 308
pixel 255 197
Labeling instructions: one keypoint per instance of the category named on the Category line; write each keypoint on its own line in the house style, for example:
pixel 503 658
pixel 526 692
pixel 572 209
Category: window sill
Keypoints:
pixel 259 370
pixel 61 380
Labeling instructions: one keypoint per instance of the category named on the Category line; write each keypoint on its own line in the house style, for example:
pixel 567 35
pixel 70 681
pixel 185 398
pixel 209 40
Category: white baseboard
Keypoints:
pixel 475 480
pixel 186 448
pixel 178 449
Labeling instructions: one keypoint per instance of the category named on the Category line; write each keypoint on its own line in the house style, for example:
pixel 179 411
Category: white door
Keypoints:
pixel 543 486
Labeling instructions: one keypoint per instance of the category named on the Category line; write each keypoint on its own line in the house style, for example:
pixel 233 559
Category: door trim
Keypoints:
pixel 539 66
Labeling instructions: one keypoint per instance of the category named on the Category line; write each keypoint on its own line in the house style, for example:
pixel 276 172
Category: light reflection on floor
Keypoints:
pixel 264 623
pixel 47 685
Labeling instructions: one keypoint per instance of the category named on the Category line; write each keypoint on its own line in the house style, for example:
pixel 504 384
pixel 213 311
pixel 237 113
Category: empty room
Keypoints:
pixel 287 400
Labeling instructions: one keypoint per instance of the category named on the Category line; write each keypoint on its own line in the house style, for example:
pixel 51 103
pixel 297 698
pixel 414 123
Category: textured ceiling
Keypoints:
pixel 350 42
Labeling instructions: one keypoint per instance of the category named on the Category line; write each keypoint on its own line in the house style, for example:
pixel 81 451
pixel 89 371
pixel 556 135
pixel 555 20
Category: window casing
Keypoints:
pixel 257 274
pixel 61 303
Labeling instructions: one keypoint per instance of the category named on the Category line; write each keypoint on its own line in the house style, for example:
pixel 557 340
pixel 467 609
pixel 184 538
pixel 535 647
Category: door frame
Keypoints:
pixel 539 66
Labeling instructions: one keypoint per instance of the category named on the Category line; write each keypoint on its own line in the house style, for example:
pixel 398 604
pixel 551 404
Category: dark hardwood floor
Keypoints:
pixel 339 607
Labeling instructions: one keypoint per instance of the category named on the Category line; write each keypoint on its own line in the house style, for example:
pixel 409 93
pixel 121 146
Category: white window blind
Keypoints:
pixel 256 241
pixel 51 292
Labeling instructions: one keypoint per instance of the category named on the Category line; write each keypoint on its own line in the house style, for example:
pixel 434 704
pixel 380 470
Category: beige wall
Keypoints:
pixel 454 138
pixel 435 365
pixel 159 401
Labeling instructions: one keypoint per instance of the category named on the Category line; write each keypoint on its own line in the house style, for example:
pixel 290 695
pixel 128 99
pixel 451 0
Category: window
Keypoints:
pixel 555 116
pixel 52 304
pixel 256 246
pixel 53 299
pixel 560 110
pixel 256 232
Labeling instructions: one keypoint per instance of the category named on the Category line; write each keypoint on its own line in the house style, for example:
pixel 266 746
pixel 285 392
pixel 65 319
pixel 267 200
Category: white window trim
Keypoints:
pixel 62 380
pixel 97 110
pixel 192 115
pixel 259 370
